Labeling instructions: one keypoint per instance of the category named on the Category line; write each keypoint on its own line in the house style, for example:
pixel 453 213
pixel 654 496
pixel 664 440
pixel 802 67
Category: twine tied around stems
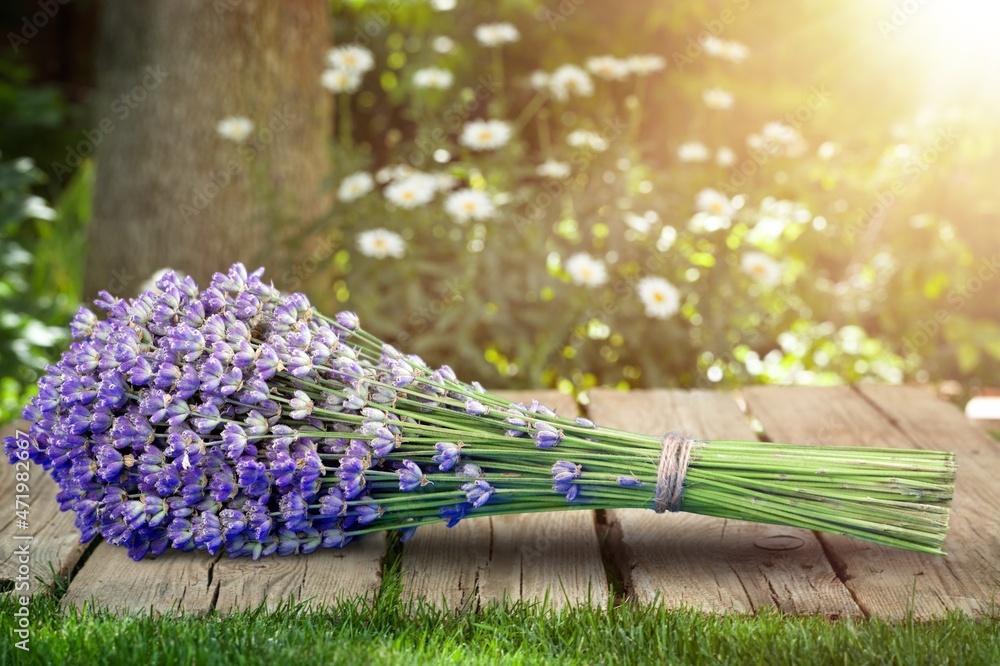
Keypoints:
pixel 675 455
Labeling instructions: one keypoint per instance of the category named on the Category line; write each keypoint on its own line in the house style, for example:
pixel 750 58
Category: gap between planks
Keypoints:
pixel 887 582
pixel 711 564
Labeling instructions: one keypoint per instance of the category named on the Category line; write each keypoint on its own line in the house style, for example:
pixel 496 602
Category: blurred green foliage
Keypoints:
pixel 41 245
pixel 881 266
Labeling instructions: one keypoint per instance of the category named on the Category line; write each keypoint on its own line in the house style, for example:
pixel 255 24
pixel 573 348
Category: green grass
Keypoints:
pixel 350 634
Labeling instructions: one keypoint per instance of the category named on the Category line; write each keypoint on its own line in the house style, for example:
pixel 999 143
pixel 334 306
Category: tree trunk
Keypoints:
pixel 170 191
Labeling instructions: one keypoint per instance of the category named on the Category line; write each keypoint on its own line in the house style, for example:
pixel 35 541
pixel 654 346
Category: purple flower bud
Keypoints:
pixel 231 381
pixel 156 510
pixel 180 534
pixel 259 520
pixel 411 476
pixel 332 504
pixel 234 441
pixel 233 522
pixel 210 374
pixel 348 320
pixel 188 383
pixel 186 341
pixel 476 408
pixel 546 439
pixel 154 405
pixel 244 355
pixel 247 306
pixel 208 418
pixel 470 470
pixel 301 404
pixel 478 492
pixel 223 485
pixel 294 511
pixel 83 324
pixel 453 514
pixel 447 456
pixel 177 412
pixel 256 424
pixel 166 375
pixel 141 372
pixel 564 473
pixel 252 477
pixel 628 481
pixel 299 364
pixel 368 513
pixel 207 531
pixel 586 423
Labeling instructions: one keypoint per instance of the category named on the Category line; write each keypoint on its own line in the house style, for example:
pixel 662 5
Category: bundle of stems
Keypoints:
pixel 240 418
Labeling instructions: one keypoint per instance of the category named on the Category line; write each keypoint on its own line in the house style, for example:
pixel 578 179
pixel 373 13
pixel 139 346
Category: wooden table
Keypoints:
pixel 579 557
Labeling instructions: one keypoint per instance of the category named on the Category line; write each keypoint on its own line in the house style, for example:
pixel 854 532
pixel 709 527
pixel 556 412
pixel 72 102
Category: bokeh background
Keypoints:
pixel 566 194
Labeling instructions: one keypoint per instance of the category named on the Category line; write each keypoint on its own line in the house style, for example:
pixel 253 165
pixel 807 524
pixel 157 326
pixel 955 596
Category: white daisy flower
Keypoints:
pixel 780 132
pixel 734 52
pixel 444 181
pixel 355 186
pixel 466 204
pixel 717 98
pixel 496 34
pixel 36 208
pixel 586 138
pixel 485 134
pixel 351 58
pixel 553 169
pixel 538 79
pixel 702 222
pixel 608 67
pixel 340 81
pixel 826 150
pixel 443 44
pixel 234 128
pixel 714 202
pixel 586 271
pixel 443 5
pixel 639 223
pixel 433 77
pixel 644 65
pixel 570 80
pixel 381 243
pixel 713 46
pixel 660 298
pixel 668 236
pixel 725 157
pixel 762 269
pixel 693 151
pixel 412 191
pixel 393 172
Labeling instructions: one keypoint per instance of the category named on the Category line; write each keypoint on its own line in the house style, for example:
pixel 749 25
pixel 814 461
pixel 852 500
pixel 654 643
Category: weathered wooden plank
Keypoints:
pixel 888 582
pixel 706 563
pixel 174 582
pixel 554 557
pixel 318 579
pixel 54 545
pixel 545 557
pixel 441 566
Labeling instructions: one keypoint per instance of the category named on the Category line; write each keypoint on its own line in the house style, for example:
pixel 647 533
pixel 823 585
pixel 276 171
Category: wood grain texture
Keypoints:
pixel 706 563
pixel 888 582
pixel 174 582
pixel 318 579
pixel 552 557
pixel 55 543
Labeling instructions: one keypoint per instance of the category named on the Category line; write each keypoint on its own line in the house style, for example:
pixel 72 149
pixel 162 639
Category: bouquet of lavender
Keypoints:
pixel 239 417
